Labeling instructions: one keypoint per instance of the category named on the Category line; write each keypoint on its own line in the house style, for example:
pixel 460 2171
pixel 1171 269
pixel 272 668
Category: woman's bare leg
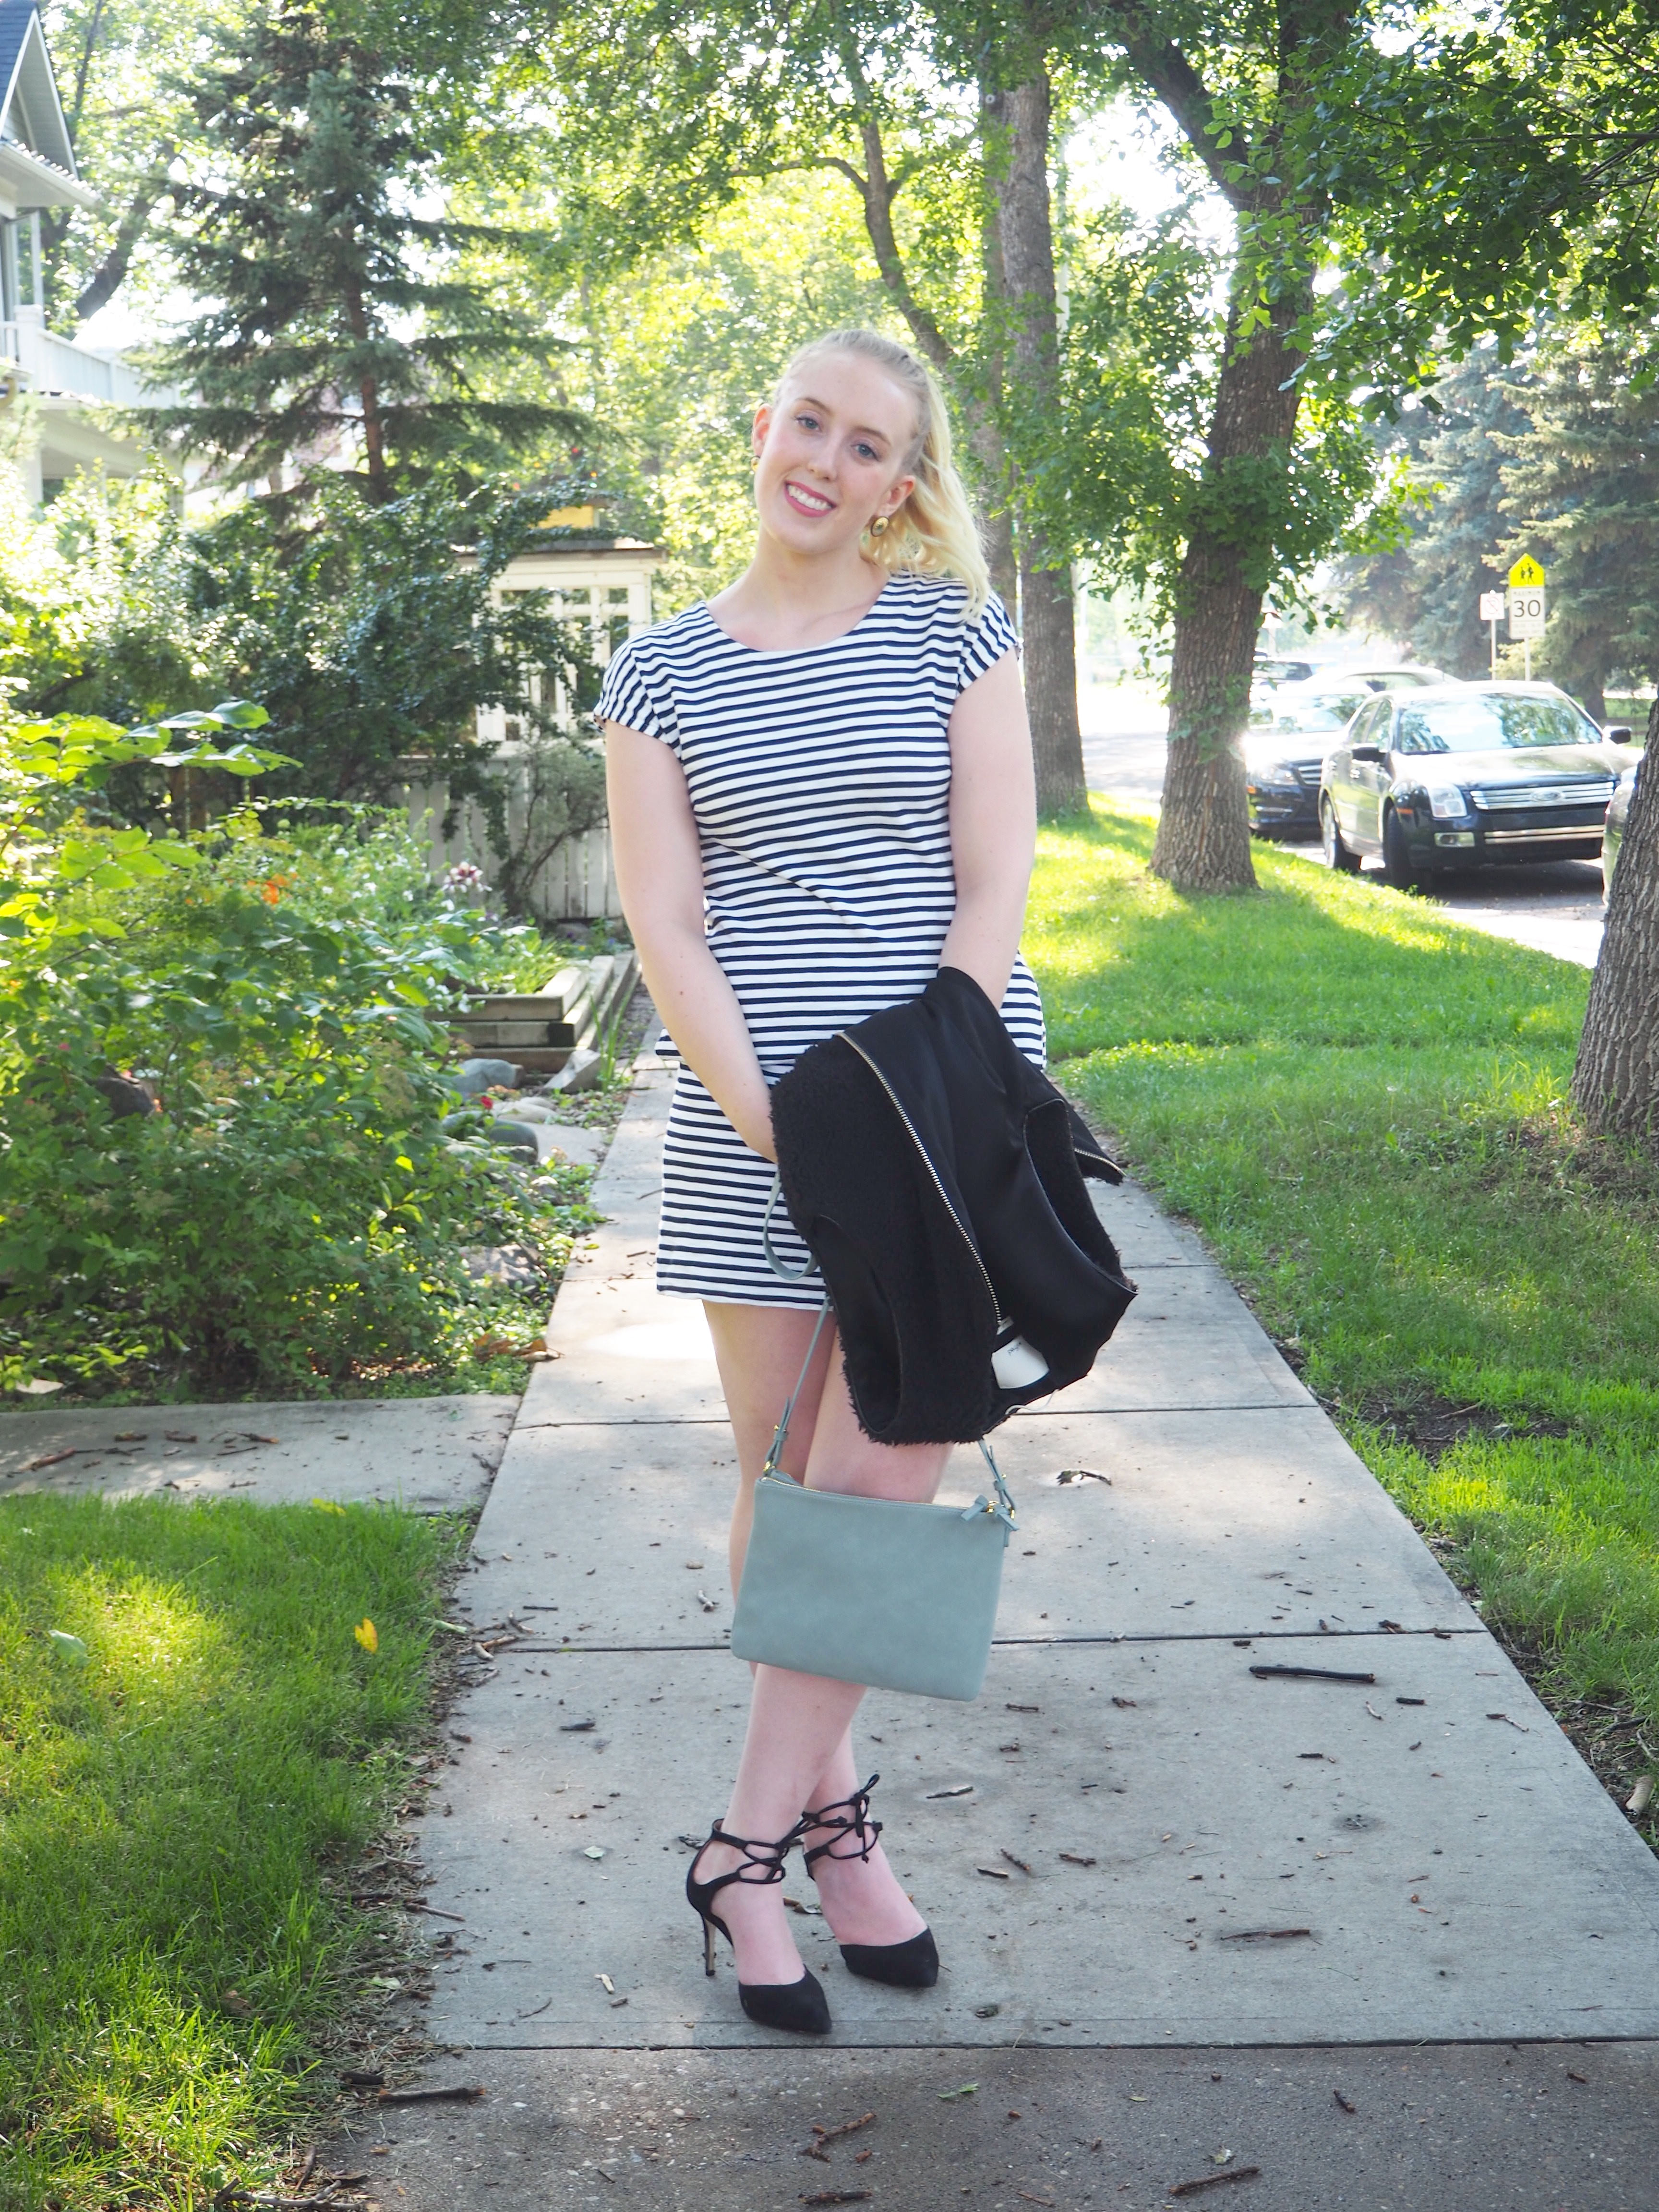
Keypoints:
pixel 797 1750
pixel 759 1350
pixel 862 1898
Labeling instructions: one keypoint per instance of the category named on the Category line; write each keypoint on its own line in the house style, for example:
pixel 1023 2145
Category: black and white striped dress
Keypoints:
pixel 819 778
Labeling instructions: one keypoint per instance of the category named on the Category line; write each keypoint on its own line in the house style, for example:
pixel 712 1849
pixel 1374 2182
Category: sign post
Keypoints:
pixel 1528 605
pixel 1491 612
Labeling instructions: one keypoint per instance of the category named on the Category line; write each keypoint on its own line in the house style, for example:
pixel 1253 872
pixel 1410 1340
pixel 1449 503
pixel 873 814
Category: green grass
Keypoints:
pixel 172 1957
pixel 1365 1106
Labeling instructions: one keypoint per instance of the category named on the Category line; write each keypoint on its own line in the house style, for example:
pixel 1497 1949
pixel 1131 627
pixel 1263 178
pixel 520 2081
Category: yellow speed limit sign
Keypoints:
pixel 1528 605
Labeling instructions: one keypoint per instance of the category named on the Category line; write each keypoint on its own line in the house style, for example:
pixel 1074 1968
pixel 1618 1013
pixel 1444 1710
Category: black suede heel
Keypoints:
pixel 911 1964
pixel 801 2007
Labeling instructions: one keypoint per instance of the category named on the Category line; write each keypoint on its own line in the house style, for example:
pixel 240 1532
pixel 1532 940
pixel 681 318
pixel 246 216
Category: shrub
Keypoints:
pixel 289 1215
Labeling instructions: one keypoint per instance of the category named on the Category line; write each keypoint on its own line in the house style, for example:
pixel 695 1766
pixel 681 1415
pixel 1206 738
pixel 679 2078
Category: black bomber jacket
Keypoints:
pixel 937 1179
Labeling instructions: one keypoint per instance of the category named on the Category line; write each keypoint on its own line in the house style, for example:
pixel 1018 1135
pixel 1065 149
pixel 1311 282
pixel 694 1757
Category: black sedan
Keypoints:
pixel 1292 729
pixel 1285 747
pixel 1465 776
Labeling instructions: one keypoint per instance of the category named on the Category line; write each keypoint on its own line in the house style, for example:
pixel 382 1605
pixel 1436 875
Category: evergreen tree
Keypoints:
pixel 1581 485
pixel 340 323
pixel 1556 455
pixel 1427 593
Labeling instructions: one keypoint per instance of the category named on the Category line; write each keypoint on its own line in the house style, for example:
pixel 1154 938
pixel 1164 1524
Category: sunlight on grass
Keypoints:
pixel 167 1812
pixel 1362 1104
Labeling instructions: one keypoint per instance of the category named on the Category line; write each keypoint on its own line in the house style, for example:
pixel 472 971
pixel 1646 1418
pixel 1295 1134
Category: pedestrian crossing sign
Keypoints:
pixel 1526 575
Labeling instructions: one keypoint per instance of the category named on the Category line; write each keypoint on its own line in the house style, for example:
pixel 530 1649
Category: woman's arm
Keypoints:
pixel 659 873
pixel 993 826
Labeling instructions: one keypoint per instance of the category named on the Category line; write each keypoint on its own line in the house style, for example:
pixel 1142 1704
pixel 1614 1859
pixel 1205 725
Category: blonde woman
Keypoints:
pixel 821 792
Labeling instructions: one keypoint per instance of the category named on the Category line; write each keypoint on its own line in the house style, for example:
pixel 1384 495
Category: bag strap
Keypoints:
pixel 1002 1511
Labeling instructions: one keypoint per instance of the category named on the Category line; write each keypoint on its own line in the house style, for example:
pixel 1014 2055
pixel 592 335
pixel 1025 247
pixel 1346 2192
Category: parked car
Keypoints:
pixel 1291 731
pixel 1270 671
pixel 1613 829
pixel 1462 775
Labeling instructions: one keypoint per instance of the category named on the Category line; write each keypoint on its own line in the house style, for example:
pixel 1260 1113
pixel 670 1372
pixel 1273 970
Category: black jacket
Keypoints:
pixel 937 1179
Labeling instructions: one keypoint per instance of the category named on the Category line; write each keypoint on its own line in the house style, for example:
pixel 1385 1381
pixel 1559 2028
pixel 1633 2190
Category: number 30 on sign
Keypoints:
pixel 1526 603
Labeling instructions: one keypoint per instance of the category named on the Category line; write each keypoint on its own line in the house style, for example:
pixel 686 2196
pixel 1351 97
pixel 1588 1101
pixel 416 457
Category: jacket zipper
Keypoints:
pixel 922 1154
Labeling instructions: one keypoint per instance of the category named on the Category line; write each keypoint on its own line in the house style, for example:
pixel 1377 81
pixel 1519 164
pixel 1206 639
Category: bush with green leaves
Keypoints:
pixel 222 1090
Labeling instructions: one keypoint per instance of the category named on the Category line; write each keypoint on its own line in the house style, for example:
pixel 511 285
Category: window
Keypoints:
pixel 1493 721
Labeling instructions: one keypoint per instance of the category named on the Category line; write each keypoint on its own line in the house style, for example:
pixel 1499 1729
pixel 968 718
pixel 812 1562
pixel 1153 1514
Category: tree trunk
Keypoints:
pixel 111 273
pixel 368 395
pixel 1028 259
pixel 1204 835
pixel 1616 1082
pixel 985 437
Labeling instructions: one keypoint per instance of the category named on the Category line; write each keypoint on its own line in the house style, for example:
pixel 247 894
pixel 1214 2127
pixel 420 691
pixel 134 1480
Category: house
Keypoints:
pixel 588 573
pixel 37 173
pixel 597 577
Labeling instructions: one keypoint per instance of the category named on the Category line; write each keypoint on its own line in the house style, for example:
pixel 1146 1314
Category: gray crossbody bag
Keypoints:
pixel 869 1589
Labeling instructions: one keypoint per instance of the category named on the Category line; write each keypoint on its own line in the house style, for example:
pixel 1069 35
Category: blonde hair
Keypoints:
pixel 934 533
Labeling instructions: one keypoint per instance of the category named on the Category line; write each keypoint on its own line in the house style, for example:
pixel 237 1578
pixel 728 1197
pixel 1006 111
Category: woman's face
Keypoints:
pixel 832 454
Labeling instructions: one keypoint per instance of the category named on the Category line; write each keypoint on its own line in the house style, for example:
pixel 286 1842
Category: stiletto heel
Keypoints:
pixel 799 2006
pixel 912 1965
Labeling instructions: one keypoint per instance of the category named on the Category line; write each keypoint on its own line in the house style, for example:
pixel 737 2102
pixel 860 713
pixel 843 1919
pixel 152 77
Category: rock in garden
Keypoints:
pixel 474 1077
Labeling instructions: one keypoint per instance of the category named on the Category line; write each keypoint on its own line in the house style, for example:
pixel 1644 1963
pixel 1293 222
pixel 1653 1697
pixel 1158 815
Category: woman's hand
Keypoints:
pixel 993 826
pixel 659 873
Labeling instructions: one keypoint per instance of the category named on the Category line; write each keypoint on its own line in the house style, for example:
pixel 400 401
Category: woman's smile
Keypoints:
pixel 804 500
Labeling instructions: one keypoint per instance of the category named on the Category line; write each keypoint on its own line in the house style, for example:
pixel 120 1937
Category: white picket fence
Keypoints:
pixel 579 883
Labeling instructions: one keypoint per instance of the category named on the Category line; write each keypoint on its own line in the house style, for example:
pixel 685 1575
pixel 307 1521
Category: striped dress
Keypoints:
pixel 819 780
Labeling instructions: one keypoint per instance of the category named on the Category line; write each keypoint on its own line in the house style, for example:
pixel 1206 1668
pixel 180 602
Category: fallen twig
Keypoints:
pixel 1262 1935
pixel 1013 1861
pixel 456 2092
pixel 838 2196
pixel 1214 2180
pixel 1346 2103
pixel 1073 1858
pixel 1304 1674
pixel 996 1873
pixel 847 2128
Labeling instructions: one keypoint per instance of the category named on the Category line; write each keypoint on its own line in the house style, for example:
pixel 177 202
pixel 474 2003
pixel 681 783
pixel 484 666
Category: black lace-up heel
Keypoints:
pixel 912 1965
pixel 799 2006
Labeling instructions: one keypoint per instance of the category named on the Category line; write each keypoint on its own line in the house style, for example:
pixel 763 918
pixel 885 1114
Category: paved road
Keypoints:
pixel 1555 909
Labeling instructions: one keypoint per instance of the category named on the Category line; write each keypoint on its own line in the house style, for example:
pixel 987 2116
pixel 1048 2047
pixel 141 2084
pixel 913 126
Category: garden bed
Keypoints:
pixel 235 1166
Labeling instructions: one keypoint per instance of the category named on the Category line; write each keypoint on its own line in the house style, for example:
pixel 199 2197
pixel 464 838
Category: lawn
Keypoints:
pixel 1364 1108
pixel 175 1788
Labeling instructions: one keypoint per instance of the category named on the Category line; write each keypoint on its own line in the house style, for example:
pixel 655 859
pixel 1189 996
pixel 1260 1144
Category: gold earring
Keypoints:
pixel 878 527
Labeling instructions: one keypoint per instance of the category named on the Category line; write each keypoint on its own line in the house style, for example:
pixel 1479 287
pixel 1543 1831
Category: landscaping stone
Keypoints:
pixel 474 1077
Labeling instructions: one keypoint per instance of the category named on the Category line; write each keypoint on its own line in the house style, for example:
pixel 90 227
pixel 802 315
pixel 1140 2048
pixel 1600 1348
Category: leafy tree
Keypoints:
pixel 338 322
pixel 664 117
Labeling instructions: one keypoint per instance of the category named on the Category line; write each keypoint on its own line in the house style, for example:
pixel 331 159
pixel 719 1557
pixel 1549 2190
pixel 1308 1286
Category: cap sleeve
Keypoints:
pixel 636 693
pixel 985 641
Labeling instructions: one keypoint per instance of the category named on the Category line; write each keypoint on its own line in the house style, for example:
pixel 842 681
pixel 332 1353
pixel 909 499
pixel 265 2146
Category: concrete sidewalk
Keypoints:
pixel 1132 1838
